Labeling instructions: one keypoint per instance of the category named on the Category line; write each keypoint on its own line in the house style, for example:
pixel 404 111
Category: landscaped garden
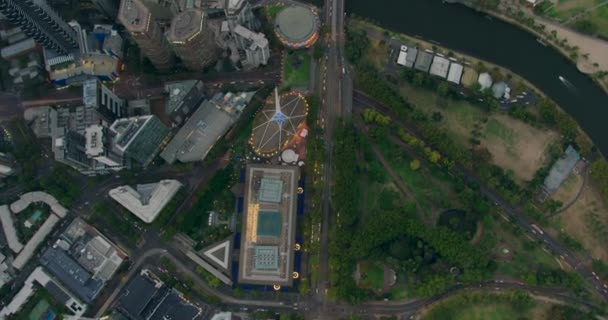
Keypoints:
pixel 296 69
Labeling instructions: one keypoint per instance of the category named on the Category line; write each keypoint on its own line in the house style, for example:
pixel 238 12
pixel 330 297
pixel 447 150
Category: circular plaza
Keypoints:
pixel 278 123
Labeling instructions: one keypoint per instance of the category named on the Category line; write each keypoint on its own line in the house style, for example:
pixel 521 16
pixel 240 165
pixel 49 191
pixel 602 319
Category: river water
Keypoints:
pixel 462 29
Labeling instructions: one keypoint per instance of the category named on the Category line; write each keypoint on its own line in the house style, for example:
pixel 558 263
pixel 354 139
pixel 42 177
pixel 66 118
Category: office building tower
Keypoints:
pixel 98 97
pixel 147 33
pixel 192 39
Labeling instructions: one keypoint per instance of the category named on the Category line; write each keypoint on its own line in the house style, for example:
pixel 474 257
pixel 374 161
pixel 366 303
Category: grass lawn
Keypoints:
pixel 372 275
pixel 273 10
pixel 431 196
pixel 296 72
pixel 524 256
pixel 514 145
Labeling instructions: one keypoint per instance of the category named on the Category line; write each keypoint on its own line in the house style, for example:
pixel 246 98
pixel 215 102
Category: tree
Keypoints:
pixel 415 165
pixel 434 156
pixel 437 116
pixel 317 53
pixel 443 89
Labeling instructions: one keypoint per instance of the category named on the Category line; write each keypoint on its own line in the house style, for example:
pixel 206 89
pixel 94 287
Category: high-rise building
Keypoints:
pixel 163 10
pixel 100 146
pixel 254 48
pixel 192 39
pixel 142 27
pixel 140 138
pixel 39 21
pixel 70 149
pixel 98 97
pixel 184 97
pixel 240 12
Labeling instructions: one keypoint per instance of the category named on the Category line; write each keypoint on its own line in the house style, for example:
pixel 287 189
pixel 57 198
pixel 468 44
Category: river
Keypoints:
pixel 462 29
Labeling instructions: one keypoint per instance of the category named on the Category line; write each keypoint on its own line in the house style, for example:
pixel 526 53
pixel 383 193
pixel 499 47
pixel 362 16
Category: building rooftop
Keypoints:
pixel 91 249
pixel 561 169
pixel 220 255
pixel 8 227
pixel 268 236
pixel 146 201
pixel 147 298
pixel 186 26
pixel 94 136
pixel 423 61
pixel 278 122
pixel 485 80
pixel 178 91
pixel 297 26
pixel 440 67
pixel 74 277
pixel 198 135
pixel 455 73
pixel 173 306
pixel 258 39
pixel 136 296
pixel 134 15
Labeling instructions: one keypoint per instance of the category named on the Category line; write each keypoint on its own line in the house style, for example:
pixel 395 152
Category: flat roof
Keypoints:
pixel 296 24
pixel 269 224
pixel 9 229
pixel 136 296
pixel 186 25
pixel 423 61
pixel 146 201
pixel 561 169
pixel 455 73
pixel 74 277
pixel 410 59
pixel 401 59
pixel 440 67
pixel 38 196
pixel 198 135
pixel 37 239
pixel 134 15
pixel 94 137
pixel 268 235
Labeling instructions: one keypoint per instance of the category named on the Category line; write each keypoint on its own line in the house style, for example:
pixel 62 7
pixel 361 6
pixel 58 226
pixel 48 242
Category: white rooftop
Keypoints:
pixel 455 73
pixel 9 229
pixel 94 137
pixel 440 66
pixel 147 200
pixel 485 80
pixel 259 39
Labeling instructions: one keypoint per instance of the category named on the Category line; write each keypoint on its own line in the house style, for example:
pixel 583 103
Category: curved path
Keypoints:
pixel 579 193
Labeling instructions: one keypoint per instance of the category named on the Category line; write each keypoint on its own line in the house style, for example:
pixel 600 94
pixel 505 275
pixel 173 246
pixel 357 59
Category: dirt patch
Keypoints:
pixel 569 188
pixel 517 146
pixel 587 221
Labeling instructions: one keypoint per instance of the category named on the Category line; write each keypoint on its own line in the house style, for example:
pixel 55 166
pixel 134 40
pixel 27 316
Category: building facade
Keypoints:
pixel 193 40
pixel 98 97
pixel 254 48
pixel 239 12
pixel 147 33
pixel 140 138
pixel 39 21
pixel 184 98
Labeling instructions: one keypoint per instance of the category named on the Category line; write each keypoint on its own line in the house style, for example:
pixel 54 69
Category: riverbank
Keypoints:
pixel 590 55
pixel 519 83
